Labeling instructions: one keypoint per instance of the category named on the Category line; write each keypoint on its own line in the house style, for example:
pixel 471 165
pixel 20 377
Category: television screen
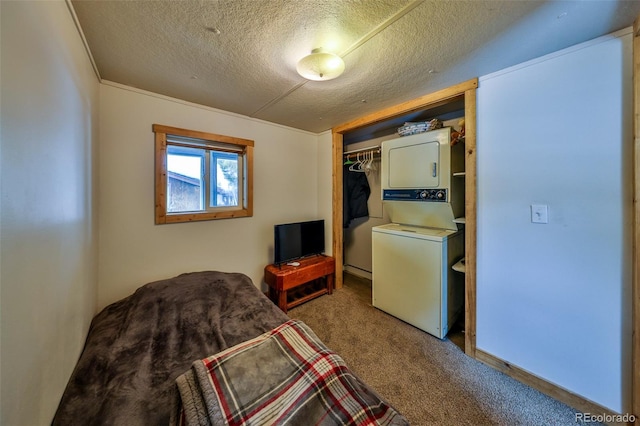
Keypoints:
pixel 297 240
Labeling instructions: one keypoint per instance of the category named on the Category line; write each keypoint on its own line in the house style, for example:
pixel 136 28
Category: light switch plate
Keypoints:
pixel 539 213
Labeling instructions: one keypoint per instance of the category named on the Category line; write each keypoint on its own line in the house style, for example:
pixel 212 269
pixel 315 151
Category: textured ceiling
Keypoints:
pixel 241 55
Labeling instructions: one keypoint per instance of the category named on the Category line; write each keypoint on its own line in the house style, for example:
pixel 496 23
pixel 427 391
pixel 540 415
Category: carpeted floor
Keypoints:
pixel 430 381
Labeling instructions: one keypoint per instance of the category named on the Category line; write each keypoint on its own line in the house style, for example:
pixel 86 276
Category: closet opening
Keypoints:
pixel 357 171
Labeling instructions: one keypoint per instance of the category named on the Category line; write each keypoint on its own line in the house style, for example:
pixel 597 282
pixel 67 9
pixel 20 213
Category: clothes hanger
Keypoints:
pixel 362 163
pixel 368 167
pixel 352 167
pixel 357 166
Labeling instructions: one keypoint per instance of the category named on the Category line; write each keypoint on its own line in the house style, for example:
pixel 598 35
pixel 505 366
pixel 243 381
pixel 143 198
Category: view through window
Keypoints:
pixel 187 183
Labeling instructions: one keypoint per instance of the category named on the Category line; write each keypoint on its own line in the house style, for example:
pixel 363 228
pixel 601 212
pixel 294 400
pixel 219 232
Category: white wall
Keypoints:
pixel 134 251
pixel 48 269
pixel 555 299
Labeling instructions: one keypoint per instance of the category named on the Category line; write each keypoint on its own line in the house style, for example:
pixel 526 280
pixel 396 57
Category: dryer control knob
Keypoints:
pixel 423 194
pixel 440 195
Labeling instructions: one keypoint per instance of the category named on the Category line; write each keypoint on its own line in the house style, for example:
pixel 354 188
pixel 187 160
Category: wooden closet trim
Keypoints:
pixel 467 90
pixel 635 387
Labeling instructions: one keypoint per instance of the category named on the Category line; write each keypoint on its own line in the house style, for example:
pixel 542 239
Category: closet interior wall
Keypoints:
pixel 357 237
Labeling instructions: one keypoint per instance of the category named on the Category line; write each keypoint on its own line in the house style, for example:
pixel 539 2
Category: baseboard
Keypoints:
pixel 357 272
pixel 563 395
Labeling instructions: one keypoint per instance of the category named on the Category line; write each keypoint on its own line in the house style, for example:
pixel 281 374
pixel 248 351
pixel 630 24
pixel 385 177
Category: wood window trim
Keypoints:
pixel 161 216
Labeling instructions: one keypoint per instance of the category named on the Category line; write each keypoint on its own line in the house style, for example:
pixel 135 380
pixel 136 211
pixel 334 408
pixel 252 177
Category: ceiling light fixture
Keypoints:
pixel 320 65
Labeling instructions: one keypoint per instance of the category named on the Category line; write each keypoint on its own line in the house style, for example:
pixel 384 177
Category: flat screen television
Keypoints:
pixel 297 240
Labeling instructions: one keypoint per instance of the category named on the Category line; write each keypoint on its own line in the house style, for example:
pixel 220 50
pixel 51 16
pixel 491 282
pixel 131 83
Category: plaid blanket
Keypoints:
pixel 285 376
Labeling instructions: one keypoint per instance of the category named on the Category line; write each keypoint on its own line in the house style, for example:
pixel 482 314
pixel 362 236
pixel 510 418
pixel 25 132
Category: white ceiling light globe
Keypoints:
pixel 320 66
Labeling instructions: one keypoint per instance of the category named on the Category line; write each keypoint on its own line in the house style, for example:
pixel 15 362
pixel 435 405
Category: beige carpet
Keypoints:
pixel 428 380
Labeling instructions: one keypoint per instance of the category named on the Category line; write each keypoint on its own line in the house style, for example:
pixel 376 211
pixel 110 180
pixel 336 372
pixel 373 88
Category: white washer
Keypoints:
pixel 412 275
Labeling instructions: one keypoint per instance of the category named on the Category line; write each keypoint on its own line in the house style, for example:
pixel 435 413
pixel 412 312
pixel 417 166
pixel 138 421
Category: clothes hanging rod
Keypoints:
pixel 370 148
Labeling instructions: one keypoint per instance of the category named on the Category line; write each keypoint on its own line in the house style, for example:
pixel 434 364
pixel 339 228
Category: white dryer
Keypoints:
pixel 419 179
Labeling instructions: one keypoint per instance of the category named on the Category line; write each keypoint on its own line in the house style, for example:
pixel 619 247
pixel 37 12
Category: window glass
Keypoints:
pixel 185 172
pixel 224 184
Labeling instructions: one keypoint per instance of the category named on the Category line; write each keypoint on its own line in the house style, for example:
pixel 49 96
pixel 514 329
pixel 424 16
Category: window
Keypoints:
pixel 201 176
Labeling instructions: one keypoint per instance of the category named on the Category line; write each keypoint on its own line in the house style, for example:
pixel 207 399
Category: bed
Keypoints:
pixel 209 348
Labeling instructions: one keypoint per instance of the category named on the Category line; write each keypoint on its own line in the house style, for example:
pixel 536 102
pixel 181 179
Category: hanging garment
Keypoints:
pixel 355 193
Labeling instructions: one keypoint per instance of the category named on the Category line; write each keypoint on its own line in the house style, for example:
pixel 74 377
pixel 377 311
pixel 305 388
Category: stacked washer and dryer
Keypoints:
pixel 422 179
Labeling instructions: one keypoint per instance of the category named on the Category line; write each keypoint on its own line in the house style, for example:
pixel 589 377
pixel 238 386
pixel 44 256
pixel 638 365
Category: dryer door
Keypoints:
pixel 414 166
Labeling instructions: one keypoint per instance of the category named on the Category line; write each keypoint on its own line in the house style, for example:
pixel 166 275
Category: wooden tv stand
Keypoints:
pixel 291 286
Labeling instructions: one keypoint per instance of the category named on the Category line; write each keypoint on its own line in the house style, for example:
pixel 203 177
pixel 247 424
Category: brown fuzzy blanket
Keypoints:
pixel 137 347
